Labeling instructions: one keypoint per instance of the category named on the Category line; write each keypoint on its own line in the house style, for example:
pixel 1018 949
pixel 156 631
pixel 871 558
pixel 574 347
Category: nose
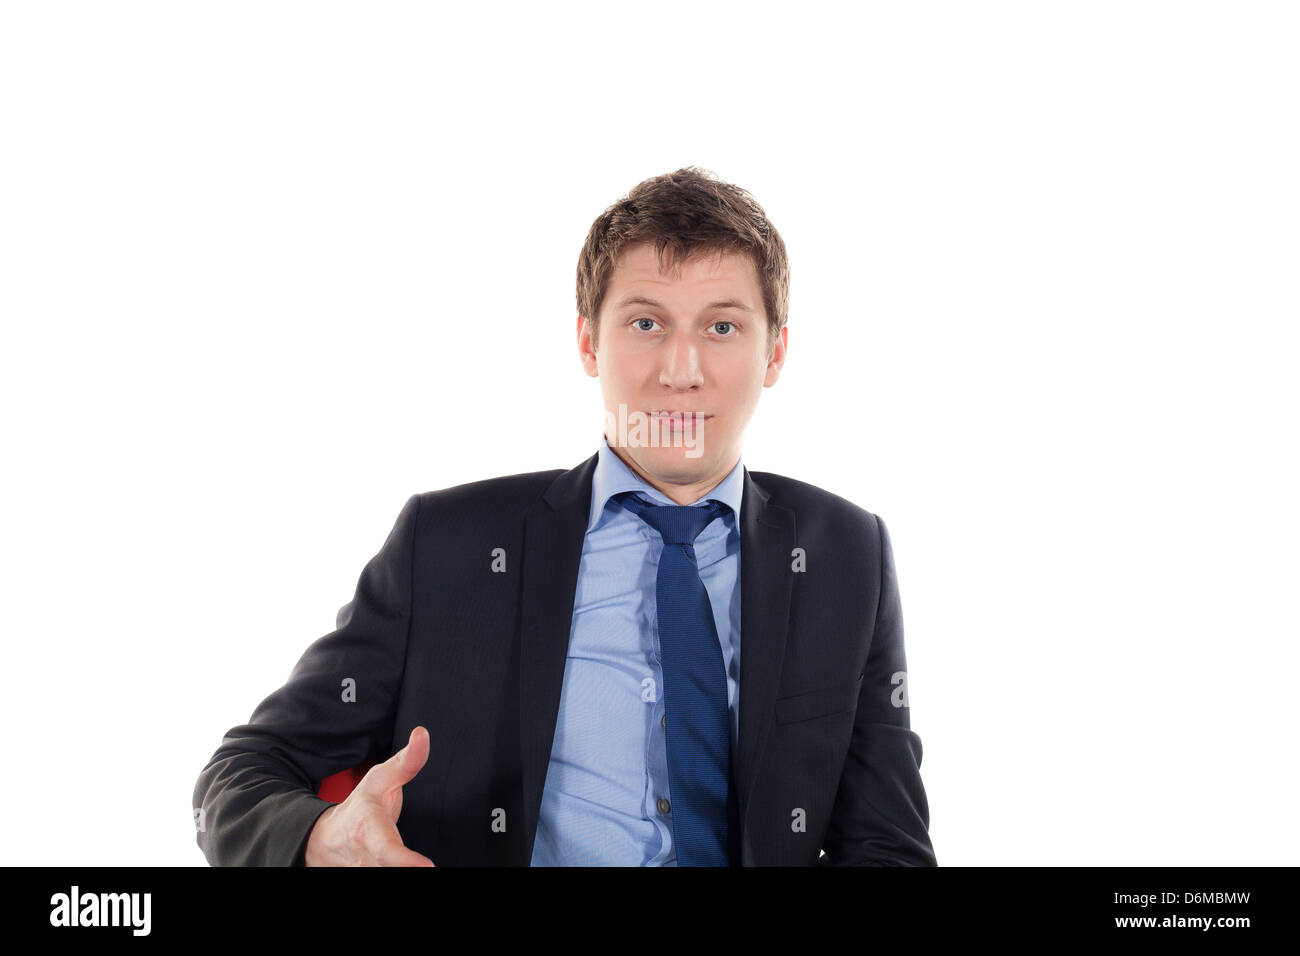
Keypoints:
pixel 681 364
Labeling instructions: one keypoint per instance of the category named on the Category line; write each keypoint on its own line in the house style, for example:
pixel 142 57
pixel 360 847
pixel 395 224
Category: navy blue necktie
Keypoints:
pixel 695 686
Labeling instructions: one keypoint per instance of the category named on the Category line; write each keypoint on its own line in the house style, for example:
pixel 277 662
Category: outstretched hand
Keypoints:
pixel 362 830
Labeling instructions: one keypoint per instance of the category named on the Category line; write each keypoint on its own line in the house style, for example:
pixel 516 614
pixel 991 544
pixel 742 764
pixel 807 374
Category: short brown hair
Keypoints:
pixel 684 213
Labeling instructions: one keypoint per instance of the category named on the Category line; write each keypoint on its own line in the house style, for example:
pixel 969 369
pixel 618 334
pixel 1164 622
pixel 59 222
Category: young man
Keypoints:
pixel 657 657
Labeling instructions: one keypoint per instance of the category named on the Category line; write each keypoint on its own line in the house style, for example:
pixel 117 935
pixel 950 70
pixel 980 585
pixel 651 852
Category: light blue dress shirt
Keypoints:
pixel 608 769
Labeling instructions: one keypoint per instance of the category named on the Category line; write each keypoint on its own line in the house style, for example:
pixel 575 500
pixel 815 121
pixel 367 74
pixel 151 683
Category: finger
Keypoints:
pixel 401 767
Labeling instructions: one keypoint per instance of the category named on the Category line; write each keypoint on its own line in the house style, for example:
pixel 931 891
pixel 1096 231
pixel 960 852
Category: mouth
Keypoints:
pixel 678 420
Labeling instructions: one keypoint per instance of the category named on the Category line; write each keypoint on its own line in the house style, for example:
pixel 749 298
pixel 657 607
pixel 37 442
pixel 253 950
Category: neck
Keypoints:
pixel 682 494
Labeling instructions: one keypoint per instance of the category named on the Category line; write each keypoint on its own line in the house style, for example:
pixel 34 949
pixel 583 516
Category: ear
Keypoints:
pixel 776 359
pixel 585 351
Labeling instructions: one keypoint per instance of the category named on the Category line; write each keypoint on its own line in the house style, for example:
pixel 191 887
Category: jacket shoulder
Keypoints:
pixel 494 496
pixel 809 501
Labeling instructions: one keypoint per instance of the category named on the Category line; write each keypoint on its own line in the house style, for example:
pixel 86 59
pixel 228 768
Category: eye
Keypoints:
pixel 716 324
pixel 637 322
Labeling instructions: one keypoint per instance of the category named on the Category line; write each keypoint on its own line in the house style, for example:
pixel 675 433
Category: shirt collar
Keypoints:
pixel 612 476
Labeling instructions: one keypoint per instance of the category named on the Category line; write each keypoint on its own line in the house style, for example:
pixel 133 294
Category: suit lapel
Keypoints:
pixel 553 538
pixel 766 540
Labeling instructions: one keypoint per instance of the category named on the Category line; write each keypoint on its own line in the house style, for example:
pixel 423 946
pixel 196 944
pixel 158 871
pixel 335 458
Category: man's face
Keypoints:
pixel 694 341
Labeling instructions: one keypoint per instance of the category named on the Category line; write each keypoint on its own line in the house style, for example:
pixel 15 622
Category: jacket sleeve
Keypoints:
pixel 880 816
pixel 255 802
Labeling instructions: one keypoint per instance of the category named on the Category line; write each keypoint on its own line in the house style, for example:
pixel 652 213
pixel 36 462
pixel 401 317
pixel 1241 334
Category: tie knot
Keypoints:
pixel 676 524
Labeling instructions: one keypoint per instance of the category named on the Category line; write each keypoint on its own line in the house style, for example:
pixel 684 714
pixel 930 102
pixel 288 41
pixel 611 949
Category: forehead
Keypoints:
pixel 709 273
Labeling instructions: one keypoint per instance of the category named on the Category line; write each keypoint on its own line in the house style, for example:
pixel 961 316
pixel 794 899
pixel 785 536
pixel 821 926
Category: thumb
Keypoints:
pixel 401 767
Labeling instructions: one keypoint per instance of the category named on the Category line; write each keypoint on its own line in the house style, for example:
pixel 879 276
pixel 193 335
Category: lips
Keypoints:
pixel 683 422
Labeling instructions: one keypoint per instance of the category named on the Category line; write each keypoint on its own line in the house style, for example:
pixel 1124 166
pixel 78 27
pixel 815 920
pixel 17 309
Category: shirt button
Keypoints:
pixel 662 805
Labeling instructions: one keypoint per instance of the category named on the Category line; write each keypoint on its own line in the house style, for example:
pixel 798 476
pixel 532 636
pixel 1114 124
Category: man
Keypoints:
pixel 657 657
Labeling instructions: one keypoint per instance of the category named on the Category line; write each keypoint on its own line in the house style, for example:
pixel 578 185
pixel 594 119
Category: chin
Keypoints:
pixel 673 462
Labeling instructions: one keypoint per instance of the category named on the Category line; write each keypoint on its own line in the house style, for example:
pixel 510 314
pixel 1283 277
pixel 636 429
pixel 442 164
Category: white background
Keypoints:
pixel 267 269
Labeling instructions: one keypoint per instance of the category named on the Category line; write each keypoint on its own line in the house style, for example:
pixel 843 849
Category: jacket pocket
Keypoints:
pixel 818 703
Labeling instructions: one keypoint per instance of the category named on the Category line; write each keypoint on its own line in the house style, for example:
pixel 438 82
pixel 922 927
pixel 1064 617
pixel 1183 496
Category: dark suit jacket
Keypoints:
pixel 435 637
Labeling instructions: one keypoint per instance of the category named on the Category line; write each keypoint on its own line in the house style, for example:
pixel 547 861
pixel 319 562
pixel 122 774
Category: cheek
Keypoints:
pixel 627 367
pixel 614 375
pixel 749 380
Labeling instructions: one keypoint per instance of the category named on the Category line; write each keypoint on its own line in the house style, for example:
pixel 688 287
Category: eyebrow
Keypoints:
pixel 718 304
